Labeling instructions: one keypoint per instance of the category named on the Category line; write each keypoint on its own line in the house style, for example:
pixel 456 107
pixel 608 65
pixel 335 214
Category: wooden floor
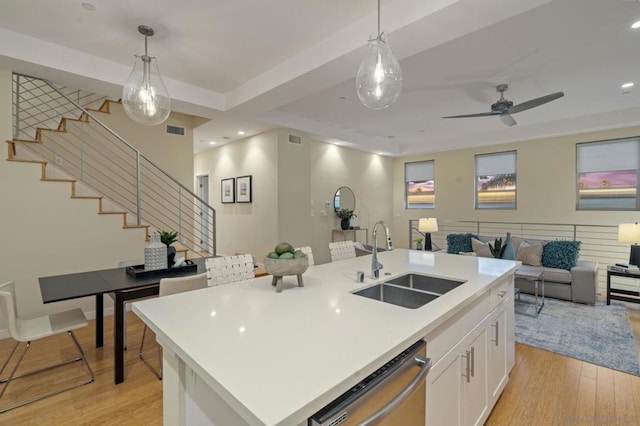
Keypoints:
pixel 544 388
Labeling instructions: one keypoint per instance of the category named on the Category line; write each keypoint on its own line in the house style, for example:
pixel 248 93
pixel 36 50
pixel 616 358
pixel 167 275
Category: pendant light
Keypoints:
pixel 144 95
pixel 379 78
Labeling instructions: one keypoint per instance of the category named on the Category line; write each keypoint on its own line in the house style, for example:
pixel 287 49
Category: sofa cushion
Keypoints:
pixel 480 249
pixel 529 254
pixel 560 254
pixel 459 242
pixel 556 275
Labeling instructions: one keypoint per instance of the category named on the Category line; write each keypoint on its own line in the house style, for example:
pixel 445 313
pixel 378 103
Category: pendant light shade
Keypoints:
pixel 144 96
pixel 379 78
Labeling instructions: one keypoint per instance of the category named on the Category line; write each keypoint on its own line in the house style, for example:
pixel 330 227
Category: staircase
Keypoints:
pixel 72 145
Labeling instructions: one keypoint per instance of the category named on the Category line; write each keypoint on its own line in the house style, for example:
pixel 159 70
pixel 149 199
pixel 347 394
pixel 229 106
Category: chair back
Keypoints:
pixel 229 269
pixel 8 308
pixel 308 252
pixel 342 250
pixel 180 284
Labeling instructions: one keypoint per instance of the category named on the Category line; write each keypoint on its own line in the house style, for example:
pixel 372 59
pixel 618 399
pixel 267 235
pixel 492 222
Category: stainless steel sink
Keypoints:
pixel 395 295
pixel 435 285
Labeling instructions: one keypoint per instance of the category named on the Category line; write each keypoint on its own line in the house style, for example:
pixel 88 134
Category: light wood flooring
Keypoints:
pixel 544 388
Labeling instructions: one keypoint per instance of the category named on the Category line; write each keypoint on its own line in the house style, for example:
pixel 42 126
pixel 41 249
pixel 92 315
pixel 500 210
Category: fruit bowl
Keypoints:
pixel 281 267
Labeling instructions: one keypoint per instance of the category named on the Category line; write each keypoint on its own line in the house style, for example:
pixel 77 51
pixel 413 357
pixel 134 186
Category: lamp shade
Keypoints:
pixel 379 77
pixel 144 96
pixel 428 224
pixel 629 233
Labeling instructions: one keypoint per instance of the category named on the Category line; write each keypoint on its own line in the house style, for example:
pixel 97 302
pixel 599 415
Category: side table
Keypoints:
pixel 618 293
pixel 532 273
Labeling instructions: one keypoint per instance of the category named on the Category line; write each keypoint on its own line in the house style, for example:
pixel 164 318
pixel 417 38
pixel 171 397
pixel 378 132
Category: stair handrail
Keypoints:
pixel 137 151
pixel 139 184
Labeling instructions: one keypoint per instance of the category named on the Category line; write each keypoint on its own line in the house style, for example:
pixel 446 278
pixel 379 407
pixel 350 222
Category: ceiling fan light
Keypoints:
pixel 379 77
pixel 144 96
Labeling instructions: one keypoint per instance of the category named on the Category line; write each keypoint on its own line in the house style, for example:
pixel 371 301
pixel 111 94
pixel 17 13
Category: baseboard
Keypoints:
pixel 91 315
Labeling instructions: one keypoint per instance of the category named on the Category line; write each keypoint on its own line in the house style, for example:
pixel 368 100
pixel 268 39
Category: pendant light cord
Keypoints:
pixel 378 18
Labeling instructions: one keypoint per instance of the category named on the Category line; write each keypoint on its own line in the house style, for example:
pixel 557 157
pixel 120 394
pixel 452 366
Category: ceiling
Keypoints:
pixel 253 65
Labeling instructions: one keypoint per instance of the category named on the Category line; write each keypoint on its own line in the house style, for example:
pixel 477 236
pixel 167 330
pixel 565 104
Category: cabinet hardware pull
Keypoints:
pixel 502 293
pixel 496 325
pixel 425 366
pixel 473 361
pixel 467 358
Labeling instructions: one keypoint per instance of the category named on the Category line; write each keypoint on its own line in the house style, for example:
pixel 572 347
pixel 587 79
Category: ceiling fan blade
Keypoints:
pixel 508 120
pixel 482 114
pixel 535 102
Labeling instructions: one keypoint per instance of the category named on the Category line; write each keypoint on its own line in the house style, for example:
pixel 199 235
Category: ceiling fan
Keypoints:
pixel 504 108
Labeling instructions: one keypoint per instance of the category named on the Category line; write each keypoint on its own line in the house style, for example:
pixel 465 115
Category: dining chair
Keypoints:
pixel 29 330
pixel 124 264
pixel 171 286
pixel 340 250
pixel 229 269
pixel 307 250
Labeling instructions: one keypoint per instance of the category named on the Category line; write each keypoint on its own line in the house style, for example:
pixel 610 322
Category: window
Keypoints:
pixel 607 174
pixel 419 185
pixel 496 181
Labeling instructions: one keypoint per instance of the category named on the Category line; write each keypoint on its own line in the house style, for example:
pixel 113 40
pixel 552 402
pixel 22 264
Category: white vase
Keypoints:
pixel 155 254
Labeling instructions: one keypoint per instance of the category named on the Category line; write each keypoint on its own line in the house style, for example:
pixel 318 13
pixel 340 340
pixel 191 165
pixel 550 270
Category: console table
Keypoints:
pixel 618 293
pixel 347 232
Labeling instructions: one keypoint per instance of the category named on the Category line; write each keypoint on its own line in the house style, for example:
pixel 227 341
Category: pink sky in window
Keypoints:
pixel 615 179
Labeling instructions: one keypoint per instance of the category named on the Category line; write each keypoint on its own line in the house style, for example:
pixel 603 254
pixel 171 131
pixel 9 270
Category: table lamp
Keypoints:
pixel 428 225
pixel 630 233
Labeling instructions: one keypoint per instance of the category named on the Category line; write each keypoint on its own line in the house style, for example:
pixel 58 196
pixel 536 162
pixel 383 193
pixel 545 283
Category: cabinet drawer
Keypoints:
pixel 500 292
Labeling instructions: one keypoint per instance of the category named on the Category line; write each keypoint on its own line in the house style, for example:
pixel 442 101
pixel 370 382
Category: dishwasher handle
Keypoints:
pixel 415 382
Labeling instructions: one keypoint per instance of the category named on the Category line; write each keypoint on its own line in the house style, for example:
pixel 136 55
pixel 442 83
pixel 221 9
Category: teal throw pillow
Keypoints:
pixel 459 242
pixel 560 254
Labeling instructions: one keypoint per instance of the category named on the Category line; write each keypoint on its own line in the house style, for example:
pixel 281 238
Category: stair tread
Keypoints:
pixel 136 226
pixel 87 197
pixel 26 161
pixel 57 180
pixel 23 141
pixel 112 212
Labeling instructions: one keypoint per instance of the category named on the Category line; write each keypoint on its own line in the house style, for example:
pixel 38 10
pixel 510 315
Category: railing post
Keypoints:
pixel 138 207
pixel 16 126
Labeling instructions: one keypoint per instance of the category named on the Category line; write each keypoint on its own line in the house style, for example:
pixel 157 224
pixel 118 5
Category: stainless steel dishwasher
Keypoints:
pixel 395 394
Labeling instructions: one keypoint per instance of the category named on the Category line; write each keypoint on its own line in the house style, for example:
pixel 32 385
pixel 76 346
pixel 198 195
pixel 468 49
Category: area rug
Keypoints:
pixel 597 334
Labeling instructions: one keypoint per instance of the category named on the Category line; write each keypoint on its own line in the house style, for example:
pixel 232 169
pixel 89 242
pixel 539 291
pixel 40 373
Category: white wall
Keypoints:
pixel 546 184
pixel 292 184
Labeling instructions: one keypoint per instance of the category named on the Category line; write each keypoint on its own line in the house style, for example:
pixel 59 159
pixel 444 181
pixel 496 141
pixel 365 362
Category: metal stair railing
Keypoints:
pixel 89 151
pixel 599 242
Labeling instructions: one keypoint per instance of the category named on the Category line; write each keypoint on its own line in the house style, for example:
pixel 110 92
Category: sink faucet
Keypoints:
pixel 375 265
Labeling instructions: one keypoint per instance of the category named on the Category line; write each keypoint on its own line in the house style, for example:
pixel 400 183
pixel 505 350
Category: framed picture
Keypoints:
pixel 227 190
pixel 243 189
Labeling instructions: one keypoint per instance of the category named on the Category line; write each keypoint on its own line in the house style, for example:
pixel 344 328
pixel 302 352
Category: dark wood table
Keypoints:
pixel 618 293
pixel 116 282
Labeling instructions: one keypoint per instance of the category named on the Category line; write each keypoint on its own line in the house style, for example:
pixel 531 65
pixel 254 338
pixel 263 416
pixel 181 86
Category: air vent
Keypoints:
pixel 295 139
pixel 175 130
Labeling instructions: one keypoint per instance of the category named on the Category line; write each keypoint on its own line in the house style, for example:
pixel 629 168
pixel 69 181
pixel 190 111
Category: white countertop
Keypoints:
pixel 277 358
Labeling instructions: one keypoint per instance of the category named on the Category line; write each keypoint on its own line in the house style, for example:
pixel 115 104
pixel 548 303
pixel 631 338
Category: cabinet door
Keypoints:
pixel 475 401
pixel 444 390
pixel 498 370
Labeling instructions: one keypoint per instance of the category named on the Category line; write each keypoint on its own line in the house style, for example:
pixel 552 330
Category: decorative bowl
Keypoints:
pixel 281 267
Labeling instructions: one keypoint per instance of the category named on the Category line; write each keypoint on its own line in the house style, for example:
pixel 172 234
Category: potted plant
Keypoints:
pixel 345 216
pixel 497 249
pixel 419 243
pixel 167 238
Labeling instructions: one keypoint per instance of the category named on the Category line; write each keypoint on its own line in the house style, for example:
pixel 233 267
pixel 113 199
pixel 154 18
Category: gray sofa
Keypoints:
pixel 580 284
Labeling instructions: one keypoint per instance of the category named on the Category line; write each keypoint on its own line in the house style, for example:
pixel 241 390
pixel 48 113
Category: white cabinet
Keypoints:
pixel 457 383
pixel 498 372
pixel 471 360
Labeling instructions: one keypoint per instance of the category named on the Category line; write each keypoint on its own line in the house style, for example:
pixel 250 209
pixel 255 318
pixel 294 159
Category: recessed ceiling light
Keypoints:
pixel 89 7
pixel 627 85
pixel 226 138
pixel 212 142
pixel 342 98
pixel 240 132
pixel 635 25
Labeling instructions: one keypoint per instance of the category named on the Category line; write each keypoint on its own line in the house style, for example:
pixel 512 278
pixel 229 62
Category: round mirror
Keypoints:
pixel 344 199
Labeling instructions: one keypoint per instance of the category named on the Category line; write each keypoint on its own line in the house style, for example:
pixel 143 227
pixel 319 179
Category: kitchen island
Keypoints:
pixel 244 354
